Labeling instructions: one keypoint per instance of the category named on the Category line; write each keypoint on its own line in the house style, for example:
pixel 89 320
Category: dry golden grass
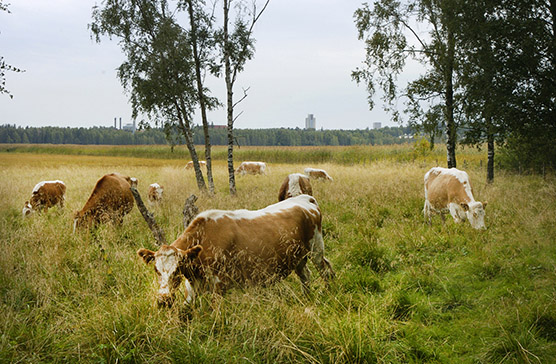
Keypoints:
pixel 405 291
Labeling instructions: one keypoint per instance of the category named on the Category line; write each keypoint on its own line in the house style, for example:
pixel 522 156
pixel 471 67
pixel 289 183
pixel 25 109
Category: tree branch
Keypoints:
pixel 149 218
pixel 243 97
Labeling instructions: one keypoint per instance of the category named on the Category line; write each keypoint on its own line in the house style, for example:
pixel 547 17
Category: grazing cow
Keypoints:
pixel 45 195
pixel 314 173
pixel 189 164
pixel 294 185
pixel 251 168
pixel 244 247
pixel 110 200
pixel 450 190
pixel 155 193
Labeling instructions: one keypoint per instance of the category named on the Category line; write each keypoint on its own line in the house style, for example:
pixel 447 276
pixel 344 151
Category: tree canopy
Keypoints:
pixel 490 70
pixel 390 31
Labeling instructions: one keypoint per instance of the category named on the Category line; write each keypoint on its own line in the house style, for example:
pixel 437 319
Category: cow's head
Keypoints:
pixel 27 209
pixel 80 220
pixel 169 265
pixel 475 212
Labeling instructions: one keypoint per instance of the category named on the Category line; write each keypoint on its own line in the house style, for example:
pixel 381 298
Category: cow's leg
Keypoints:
pixel 454 211
pixel 317 257
pixel 304 275
pixel 427 212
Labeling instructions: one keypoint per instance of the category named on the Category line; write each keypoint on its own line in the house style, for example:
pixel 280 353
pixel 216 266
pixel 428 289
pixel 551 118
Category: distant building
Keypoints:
pixel 310 122
pixel 129 127
pixel 377 125
pixel 219 126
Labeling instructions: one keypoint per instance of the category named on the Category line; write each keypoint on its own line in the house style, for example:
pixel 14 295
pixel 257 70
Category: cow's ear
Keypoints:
pixel 485 204
pixel 191 253
pixel 146 254
pixel 464 206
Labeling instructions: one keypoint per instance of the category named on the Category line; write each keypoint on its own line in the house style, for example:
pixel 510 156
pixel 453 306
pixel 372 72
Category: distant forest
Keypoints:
pixel 243 137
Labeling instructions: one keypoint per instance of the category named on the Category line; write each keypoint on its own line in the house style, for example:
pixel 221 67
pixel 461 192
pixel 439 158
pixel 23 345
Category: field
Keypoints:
pixel 405 292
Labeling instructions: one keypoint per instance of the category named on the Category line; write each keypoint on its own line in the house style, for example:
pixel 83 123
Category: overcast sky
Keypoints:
pixel 305 52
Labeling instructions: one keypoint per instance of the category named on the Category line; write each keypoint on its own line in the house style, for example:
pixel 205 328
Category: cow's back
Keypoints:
pixel 317 174
pixel 251 168
pixel 111 195
pixel 443 187
pixel 48 194
pixel 245 248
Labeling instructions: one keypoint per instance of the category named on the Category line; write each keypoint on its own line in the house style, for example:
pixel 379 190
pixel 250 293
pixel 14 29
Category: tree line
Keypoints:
pixel 243 137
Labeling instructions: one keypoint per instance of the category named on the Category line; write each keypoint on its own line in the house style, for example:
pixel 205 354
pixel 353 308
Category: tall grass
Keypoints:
pixel 347 155
pixel 405 292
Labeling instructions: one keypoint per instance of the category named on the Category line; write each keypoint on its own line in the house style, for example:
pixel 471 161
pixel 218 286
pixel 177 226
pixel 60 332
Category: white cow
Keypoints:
pixel 45 195
pixel 450 190
pixel 315 173
pixel 155 192
pixel 251 168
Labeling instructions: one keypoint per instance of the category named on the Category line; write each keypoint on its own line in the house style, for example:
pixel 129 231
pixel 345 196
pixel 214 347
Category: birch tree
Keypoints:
pixel 161 72
pixel 237 47
pixel 390 30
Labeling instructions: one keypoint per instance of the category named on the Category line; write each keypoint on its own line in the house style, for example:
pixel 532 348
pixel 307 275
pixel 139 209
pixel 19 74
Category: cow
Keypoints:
pixel 220 249
pixel 155 193
pixel 110 200
pixel 314 173
pixel 251 168
pixel 294 185
pixel 189 164
pixel 450 190
pixel 45 195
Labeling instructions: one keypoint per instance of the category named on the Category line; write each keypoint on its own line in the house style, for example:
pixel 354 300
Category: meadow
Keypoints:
pixel 405 292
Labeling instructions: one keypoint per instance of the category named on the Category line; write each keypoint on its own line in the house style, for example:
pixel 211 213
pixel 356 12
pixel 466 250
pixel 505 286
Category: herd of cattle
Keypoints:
pixel 247 247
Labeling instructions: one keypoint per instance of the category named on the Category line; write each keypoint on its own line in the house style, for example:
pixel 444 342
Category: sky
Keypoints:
pixel 305 53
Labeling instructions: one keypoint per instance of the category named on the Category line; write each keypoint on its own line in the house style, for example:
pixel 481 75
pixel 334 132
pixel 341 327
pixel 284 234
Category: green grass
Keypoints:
pixel 405 292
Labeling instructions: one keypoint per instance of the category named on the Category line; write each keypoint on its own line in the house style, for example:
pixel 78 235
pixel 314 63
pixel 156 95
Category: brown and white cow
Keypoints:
pixel 294 185
pixel 314 173
pixel 450 190
pixel 251 168
pixel 45 195
pixel 242 247
pixel 110 200
pixel 189 164
pixel 155 192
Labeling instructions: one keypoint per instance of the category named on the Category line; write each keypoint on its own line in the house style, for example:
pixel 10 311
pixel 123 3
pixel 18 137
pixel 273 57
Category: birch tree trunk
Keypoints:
pixel 201 96
pixel 449 95
pixel 193 152
pixel 490 153
pixel 229 100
